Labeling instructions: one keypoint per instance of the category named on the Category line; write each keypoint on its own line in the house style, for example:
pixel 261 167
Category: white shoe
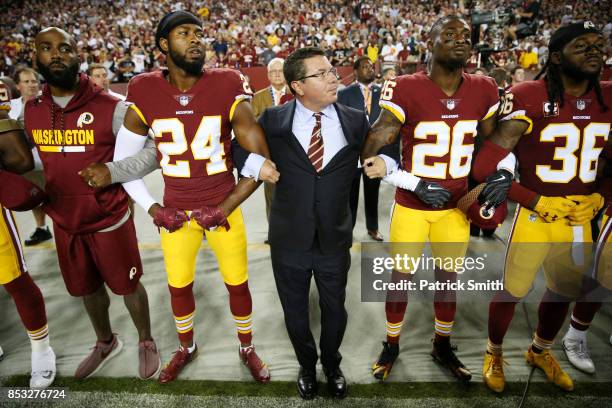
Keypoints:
pixel 578 354
pixel 2 352
pixel 610 343
pixel 43 369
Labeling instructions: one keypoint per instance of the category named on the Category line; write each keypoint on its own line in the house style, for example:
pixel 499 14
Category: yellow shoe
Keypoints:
pixel 493 372
pixel 547 363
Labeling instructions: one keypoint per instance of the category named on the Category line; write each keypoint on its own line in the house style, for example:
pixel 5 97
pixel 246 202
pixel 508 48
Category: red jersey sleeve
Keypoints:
pixel 238 88
pixel 515 105
pixel 392 97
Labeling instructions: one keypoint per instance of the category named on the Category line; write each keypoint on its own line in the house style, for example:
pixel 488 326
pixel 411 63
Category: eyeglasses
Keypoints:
pixel 323 74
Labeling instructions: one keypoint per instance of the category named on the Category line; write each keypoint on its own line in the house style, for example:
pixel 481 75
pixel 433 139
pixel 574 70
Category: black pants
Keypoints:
pixel 370 194
pixel 292 273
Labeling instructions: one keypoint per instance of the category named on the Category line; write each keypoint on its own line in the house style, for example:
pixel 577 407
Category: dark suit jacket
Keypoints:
pixel 353 97
pixel 307 204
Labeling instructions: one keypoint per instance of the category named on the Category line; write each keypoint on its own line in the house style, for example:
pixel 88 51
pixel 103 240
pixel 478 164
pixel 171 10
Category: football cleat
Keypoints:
pixel 382 368
pixel 578 354
pixel 547 363
pixel 493 372
pixel 259 369
pixel 102 352
pixel 1 354
pixel 43 369
pixel 180 359
pixel 444 354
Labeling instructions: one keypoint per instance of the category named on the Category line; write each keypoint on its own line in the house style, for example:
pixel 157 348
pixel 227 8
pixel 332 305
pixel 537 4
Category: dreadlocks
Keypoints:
pixel 555 89
pixel 554 84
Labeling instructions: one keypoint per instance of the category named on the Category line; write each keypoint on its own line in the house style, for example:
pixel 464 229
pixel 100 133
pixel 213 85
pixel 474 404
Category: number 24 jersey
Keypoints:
pixel 192 132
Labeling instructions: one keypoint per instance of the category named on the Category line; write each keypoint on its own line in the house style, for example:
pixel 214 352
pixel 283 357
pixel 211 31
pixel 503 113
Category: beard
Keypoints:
pixel 574 71
pixel 191 67
pixel 65 79
pixel 453 64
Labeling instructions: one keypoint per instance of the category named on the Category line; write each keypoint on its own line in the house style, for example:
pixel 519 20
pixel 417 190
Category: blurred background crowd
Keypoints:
pixel 120 34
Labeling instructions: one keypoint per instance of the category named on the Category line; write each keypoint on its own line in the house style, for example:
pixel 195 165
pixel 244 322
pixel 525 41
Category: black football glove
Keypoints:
pixel 496 189
pixel 432 194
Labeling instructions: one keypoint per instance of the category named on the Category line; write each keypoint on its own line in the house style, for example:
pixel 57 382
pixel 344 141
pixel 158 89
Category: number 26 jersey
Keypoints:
pixel 438 131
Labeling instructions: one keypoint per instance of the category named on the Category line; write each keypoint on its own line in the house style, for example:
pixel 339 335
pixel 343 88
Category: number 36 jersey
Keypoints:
pixel 559 151
pixel 438 132
pixel 192 132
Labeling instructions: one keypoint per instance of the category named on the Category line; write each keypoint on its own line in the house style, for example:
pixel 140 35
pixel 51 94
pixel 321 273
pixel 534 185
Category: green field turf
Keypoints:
pixel 130 392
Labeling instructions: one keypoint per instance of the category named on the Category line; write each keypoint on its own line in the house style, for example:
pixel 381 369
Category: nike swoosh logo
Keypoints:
pixel 499 179
pixel 433 188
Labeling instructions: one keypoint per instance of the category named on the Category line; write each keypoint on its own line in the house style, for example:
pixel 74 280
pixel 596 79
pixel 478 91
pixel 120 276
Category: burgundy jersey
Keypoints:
pixel 559 151
pixel 68 140
pixel 438 132
pixel 192 133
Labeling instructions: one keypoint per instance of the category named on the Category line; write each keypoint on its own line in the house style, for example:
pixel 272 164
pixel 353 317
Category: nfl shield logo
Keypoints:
pixel 450 104
pixel 184 100
pixel 580 104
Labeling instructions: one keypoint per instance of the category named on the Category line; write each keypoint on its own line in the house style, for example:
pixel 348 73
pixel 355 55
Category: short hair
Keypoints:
pixel 294 69
pixel 515 68
pixel 17 77
pixel 384 72
pixel 500 75
pixel 274 61
pixel 358 61
pixel 437 26
pixel 94 66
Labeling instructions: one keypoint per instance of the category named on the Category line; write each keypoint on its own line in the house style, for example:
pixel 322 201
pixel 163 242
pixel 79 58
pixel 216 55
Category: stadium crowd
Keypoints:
pixel 120 34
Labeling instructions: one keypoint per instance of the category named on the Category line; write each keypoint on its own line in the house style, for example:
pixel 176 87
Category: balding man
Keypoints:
pixel 72 124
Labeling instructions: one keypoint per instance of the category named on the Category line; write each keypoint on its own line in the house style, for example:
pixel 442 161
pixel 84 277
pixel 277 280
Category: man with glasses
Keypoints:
pixel 315 144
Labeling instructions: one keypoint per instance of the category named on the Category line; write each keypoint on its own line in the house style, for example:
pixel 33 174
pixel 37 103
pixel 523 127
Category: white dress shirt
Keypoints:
pixel 331 130
pixel 303 123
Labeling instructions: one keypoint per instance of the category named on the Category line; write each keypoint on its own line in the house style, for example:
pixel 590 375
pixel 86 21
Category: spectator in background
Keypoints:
pixel 140 60
pixel 364 95
pixel 529 58
pixel 125 69
pixel 99 76
pixel 501 77
pixel 267 56
pixel 272 95
pixel 372 50
pixel 389 73
pixel 517 74
pixel 28 84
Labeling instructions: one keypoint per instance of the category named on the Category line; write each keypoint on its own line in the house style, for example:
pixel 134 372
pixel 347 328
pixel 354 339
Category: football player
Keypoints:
pixel 73 123
pixel 15 156
pixel 437 114
pixel 192 113
pixel 557 127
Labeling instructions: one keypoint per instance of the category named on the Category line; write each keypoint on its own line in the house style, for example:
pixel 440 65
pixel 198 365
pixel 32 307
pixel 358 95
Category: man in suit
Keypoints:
pixel 315 143
pixel 363 95
pixel 272 95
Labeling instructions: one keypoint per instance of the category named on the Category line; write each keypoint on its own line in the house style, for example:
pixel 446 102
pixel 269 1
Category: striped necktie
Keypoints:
pixel 315 150
pixel 367 96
